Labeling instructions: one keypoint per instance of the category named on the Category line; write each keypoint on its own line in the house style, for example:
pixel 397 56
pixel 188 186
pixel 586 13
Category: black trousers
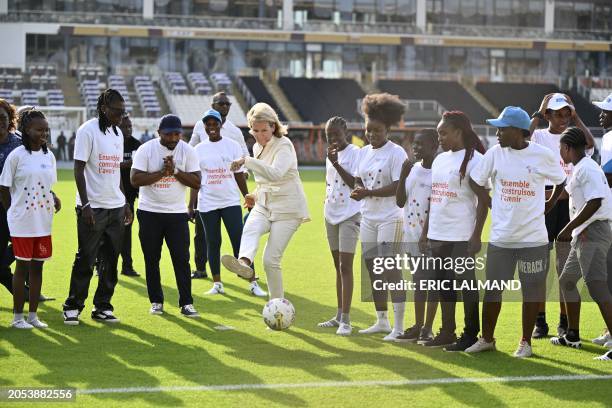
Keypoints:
pixel 108 228
pixel 6 277
pixel 154 228
pixel 200 255
pixel 126 248
pixel 448 298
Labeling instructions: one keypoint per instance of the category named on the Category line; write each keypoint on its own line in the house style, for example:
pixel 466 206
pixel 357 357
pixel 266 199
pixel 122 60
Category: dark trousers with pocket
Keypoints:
pixel 108 228
pixel 232 218
pixel 126 248
pixel 200 255
pixel 154 228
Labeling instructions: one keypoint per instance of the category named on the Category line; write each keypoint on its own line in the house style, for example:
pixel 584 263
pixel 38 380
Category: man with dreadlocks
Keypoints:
pixel 101 208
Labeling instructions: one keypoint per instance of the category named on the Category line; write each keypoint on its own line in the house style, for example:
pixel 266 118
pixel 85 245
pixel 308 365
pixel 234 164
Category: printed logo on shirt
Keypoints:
pixel 513 191
pixel 440 191
pixel 165 182
pixel 108 163
pixel 217 175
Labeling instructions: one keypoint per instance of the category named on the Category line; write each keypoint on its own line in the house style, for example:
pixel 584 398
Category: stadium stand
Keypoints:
pixel 221 81
pixel 147 97
pixel 255 86
pixel 199 84
pixel 450 94
pixel 316 100
pixel 175 83
pixel 191 107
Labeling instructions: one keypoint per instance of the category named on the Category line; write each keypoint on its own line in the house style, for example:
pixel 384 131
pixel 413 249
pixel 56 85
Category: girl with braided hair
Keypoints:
pixel 376 180
pixel 453 228
pixel 25 190
pixel 590 205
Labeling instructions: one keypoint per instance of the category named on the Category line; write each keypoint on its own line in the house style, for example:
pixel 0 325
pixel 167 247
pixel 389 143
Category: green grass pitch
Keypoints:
pixel 172 352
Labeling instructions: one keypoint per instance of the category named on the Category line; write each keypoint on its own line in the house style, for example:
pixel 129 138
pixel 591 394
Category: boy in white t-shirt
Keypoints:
pixel 558 109
pixel 342 217
pixel 25 190
pixel 413 195
pixel 590 235
pixel 518 171
pixel 163 168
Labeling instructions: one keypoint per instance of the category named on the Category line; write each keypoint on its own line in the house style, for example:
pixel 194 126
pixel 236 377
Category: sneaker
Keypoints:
pixel 540 331
pixel 71 317
pixel 409 335
pixel 605 357
pixel 392 336
pixel 523 350
pixel 330 323
pixel 462 344
pixel 443 338
pixel 21 324
pixel 481 345
pixel 345 329
pixel 217 289
pixel 130 272
pixel 157 308
pixel 378 327
pixel 43 298
pixel 425 336
pixel 238 266
pixel 257 291
pixel 608 344
pixel 104 316
pixel 199 275
pixel 603 339
pixel 563 341
pixel 38 323
pixel 189 311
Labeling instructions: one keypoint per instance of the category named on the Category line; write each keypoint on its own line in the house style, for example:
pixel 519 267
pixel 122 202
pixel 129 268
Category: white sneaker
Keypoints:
pixel 238 266
pixel 523 350
pixel 21 324
pixel 481 345
pixel 157 308
pixel 603 339
pixel 392 336
pixel 37 323
pixel 608 344
pixel 217 289
pixel 257 291
pixel 378 327
pixel 605 357
pixel 71 317
pixel 189 311
pixel 329 323
pixel 345 329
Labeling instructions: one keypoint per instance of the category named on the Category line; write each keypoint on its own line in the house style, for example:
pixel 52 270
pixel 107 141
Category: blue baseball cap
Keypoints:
pixel 211 113
pixel 511 116
pixel 170 123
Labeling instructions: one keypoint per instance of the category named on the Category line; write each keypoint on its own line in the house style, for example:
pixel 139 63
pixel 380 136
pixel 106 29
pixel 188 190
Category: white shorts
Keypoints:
pixel 381 238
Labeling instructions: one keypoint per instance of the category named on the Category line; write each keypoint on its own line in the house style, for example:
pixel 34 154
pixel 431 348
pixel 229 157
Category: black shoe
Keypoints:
pixel 410 335
pixel 463 343
pixel 129 272
pixel 540 331
pixel 442 339
pixel 425 336
pixel 104 316
pixel 199 275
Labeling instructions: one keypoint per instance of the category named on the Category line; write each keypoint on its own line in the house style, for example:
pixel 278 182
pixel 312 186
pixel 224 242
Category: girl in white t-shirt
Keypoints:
pixel 413 195
pixel 376 181
pixel 25 189
pixel 342 217
pixel 454 226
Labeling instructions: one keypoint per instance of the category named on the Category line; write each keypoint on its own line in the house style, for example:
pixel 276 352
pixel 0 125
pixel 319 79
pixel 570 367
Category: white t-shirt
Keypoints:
pixel 518 177
pixel 377 169
pixel 606 148
pixel 228 131
pixel 587 183
pixel 219 188
pixel 29 178
pixel 452 214
pixel 338 204
pixel 168 194
pixel 102 153
pixel 418 193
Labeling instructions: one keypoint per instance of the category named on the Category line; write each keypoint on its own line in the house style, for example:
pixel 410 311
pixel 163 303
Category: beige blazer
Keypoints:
pixel 279 193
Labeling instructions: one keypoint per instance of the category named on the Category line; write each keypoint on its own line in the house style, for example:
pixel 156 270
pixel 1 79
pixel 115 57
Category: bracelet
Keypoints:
pixel 85 205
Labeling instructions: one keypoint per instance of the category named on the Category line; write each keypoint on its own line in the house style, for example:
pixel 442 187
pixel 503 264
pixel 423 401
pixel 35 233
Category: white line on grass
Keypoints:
pixel 429 381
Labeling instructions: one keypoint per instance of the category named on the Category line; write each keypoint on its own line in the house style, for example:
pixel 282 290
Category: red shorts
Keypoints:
pixel 32 248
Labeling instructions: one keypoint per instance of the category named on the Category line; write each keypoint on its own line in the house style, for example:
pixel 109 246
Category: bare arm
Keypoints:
pixel 140 178
pixel 192 179
pixel 345 175
pixel 586 212
pixel 242 183
pixel 556 193
pixel 482 210
pixel 79 178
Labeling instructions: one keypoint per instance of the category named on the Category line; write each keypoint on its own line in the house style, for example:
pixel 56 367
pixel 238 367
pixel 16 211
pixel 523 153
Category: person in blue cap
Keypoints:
pixel 163 168
pixel 518 171
pixel 218 197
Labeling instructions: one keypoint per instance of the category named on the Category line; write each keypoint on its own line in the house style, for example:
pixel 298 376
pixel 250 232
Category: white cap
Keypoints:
pixel 558 101
pixel 606 104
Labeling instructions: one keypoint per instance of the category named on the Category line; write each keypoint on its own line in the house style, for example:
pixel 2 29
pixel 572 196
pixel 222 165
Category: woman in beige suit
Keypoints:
pixel 278 202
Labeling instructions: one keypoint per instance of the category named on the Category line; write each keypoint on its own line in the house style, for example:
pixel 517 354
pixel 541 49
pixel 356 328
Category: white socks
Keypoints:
pixel 398 316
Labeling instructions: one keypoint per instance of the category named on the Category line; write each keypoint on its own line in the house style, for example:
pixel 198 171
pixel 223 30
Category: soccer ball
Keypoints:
pixel 278 314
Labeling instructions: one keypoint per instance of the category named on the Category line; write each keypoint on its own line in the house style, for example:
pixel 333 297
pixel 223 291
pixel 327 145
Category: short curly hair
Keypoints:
pixel 383 107
pixel 12 113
